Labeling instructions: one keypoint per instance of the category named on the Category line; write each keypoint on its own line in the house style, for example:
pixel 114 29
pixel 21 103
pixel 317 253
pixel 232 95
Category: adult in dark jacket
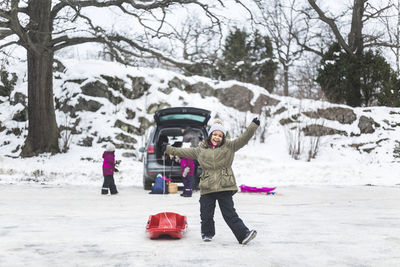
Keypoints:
pixel 217 181
pixel 108 171
pixel 191 135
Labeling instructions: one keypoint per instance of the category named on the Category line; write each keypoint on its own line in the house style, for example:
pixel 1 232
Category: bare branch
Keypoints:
pixel 5 33
pixel 14 24
pixel 247 9
pixel 70 3
pixel 332 25
pixel 306 47
pixel 377 12
pixel 8 44
pixel 381 44
pixel 119 3
pixel 65 41
pixel 4 24
pixel 156 53
pixel 5 14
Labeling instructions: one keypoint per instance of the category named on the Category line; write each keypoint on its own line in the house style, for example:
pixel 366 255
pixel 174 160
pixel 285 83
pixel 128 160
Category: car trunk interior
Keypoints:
pixel 174 137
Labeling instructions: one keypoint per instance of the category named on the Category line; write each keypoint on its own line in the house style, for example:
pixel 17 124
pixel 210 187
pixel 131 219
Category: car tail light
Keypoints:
pixel 150 150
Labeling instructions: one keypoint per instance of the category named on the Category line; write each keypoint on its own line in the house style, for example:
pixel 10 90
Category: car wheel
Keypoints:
pixel 147 185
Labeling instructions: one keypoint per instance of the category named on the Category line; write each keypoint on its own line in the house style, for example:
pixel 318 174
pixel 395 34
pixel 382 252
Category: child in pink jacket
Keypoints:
pixel 187 172
pixel 108 171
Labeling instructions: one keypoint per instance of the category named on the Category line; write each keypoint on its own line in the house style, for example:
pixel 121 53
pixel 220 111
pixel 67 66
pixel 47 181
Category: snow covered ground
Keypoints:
pixel 69 225
pixel 52 214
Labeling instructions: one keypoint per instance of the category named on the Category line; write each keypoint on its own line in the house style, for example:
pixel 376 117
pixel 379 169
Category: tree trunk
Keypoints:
pixel 286 80
pixel 356 43
pixel 355 36
pixel 398 39
pixel 353 91
pixel 42 131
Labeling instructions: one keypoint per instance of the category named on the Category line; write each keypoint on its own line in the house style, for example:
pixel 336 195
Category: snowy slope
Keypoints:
pixel 348 158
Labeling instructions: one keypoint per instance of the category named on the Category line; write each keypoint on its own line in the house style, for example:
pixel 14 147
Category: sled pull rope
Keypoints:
pixel 165 214
pixel 164 181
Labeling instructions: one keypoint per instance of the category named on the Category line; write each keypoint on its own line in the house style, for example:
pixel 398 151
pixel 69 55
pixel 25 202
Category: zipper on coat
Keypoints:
pixel 215 171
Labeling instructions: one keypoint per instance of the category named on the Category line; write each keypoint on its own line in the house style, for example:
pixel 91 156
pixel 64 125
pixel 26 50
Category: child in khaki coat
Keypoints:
pixel 217 182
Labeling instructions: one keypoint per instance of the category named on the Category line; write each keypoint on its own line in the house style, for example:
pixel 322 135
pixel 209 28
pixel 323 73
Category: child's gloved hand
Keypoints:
pixel 116 170
pixel 256 121
pixel 185 172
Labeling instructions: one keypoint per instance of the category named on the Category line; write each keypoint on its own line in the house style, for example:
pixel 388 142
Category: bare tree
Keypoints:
pixel 198 42
pixel 305 82
pixel 195 38
pixel 43 27
pixel 391 21
pixel 362 11
pixel 283 24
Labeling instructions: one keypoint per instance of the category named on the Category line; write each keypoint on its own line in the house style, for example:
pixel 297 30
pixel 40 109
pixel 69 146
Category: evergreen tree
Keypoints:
pixel 263 69
pixel 355 81
pixel 235 57
pixel 248 58
pixel 390 95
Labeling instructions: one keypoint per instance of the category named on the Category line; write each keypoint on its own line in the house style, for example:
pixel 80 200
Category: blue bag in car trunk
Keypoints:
pixel 160 186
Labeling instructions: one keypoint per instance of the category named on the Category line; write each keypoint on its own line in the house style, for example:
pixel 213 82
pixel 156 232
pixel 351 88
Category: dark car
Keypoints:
pixel 173 126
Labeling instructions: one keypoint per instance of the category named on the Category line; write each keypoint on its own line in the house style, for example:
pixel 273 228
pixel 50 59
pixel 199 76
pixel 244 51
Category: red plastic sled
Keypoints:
pixel 166 224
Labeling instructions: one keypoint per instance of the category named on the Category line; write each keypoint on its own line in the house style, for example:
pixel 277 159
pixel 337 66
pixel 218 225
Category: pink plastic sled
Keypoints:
pixel 245 188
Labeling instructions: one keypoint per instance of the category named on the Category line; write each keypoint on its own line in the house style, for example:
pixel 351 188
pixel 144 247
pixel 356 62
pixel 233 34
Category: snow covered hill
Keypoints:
pixel 99 102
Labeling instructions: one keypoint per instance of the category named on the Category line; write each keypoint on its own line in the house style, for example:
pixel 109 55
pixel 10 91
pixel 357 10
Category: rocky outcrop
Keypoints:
pixel 21 115
pixel 156 106
pixel 319 130
pixel 178 83
pixel 7 82
pixel 125 138
pixel 126 127
pixel 291 119
pixel 237 97
pixel 82 105
pixel 2 128
pixel 81 94
pixel 367 125
pixel 87 141
pixel 262 101
pixel 139 88
pixel 342 115
pixel 87 105
pixel 280 110
pixel 130 114
pixel 99 89
pixel 144 124
pixel 202 88
pixel 19 98
pixel 58 66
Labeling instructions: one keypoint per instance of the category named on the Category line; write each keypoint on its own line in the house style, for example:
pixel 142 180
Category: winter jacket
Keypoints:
pixel 216 162
pixel 187 163
pixel 108 163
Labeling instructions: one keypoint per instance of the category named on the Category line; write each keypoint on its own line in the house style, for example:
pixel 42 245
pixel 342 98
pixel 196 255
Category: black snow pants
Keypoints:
pixel 109 184
pixel 225 202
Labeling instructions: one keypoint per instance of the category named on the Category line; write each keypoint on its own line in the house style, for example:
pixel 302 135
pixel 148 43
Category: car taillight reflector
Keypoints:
pixel 150 150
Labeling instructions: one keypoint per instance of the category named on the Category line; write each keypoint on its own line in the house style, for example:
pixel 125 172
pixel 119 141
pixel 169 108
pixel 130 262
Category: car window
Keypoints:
pixel 183 117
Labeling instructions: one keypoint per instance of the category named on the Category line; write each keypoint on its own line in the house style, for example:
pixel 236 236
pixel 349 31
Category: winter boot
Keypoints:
pixel 250 236
pixel 206 238
pixel 104 191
